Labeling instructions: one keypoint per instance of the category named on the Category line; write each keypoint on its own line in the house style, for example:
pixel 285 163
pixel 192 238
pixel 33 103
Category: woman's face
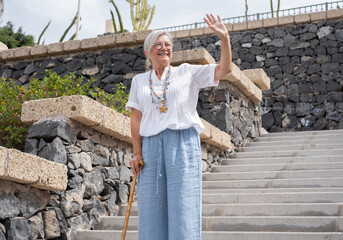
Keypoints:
pixel 161 52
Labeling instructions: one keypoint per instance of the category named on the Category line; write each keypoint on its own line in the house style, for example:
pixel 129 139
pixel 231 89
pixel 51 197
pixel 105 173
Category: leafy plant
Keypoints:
pixel 142 12
pixel 41 35
pixel 13 132
pixel 272 9
pixel 119 19
pixel 15 39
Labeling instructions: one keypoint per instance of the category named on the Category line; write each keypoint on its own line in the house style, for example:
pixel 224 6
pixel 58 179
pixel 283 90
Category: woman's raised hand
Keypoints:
pixel 217 26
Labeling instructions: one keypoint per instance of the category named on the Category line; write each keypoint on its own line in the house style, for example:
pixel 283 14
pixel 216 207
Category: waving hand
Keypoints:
pixel 216 25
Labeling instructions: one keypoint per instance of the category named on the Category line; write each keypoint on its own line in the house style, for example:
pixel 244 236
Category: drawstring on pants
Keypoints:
pixel 159 162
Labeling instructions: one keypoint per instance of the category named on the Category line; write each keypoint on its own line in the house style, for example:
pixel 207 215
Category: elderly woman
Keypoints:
pixel 165 130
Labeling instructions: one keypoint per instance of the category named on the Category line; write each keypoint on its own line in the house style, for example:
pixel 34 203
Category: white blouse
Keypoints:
pixel 181 98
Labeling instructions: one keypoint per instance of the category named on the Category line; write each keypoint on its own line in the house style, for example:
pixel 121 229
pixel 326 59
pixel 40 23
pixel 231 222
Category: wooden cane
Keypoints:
pixel 140 163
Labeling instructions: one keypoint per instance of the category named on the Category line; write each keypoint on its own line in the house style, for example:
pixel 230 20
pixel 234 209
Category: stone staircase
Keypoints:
pixel 283 186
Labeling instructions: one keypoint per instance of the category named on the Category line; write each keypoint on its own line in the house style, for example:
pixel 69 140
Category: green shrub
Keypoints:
pixel 13 132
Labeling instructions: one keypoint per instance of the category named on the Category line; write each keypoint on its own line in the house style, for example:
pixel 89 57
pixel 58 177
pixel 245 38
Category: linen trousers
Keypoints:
pixel 169 186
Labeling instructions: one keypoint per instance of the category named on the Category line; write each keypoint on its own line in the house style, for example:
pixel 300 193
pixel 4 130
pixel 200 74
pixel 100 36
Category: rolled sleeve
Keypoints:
pixel 133 101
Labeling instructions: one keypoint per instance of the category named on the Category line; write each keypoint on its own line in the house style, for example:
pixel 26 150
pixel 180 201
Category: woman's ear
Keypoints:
pixel 146 54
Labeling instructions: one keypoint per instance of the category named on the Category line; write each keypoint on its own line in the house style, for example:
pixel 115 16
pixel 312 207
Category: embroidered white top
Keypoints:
pixel 181 98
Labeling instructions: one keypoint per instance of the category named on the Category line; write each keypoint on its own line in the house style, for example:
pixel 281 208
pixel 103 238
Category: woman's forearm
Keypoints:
pixel 136 118
pixel 225 64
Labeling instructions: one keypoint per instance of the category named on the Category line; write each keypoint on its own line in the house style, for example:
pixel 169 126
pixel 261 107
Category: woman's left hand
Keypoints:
pixel 217 26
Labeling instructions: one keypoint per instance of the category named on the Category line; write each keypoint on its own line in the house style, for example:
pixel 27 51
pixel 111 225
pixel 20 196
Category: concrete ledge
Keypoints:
pixel 129 38
pixel 39 50
pixel 29 169
pixel 103 119
pixel 302 18
pixel 140 36
pixel 317 16
pixel 243 83
pixel 195 56
pixel 90 43
pixel 259 77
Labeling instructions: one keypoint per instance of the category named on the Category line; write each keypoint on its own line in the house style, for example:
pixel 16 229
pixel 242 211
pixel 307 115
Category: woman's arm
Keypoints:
pixel 225 64
pixel 136 118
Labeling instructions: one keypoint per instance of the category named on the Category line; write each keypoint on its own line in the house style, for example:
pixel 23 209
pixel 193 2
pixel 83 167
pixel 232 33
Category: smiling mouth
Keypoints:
pixel 163 54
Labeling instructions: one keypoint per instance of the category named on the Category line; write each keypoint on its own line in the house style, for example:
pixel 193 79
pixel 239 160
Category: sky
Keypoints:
pixel 33 15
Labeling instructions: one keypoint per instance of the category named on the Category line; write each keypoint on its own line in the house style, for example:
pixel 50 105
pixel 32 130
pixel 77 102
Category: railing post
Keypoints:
pixel 258 16
pixel 326 6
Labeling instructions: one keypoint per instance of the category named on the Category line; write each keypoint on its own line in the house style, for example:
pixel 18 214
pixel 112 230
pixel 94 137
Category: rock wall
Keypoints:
pixel 99 180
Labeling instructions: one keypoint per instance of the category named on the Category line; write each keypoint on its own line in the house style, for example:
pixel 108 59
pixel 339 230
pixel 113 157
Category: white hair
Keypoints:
pixel 152 37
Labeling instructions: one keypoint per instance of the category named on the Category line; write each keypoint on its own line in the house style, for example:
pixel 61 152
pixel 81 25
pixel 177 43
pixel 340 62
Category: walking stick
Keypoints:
pixel 140 163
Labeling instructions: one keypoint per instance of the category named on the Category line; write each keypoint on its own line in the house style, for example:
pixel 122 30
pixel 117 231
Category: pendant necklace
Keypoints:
pixel 163 99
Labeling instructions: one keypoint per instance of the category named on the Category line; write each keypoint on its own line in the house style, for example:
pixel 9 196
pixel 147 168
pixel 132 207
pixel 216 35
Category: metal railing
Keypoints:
pixel 260 16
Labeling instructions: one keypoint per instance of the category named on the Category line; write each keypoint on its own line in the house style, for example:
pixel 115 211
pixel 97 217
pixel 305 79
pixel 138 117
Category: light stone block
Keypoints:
pixel 235 74
pixel 52 176
pixel 215 139
pixel 22 52
pixel 81 108
pixel 239 27
pixel 55 48
pixel 256 94
pixel 302 18
pixel 285 20
pixel 226 141
pixel 255 24
pixel 22 167
pixel 195 32
pixel 317 16
pixel 173 34
pixel 7 54
pixel 107 41
pixel 229 27
pixel 206 134
pixel 3 161
pixel 113 124
pixel 194 56
pixel 141 35
pixel 334 14
pixel 182 34
pixel 125 38
pixel 3 47
pixel 204 154
pixel 259 77
pixel 39 50
pixel 127 128
pixel 90 43
pixel 72 46
pixel 33 110
pixel 270 22
pixel 208 31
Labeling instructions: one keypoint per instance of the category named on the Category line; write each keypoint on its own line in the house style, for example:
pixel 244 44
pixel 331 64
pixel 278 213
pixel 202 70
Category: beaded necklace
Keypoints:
pixel 163 99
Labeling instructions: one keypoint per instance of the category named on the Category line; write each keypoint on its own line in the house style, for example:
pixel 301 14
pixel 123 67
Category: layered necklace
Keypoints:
pixel 163 98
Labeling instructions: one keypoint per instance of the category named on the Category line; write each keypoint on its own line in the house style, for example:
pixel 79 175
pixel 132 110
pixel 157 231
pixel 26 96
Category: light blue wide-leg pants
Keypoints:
pixel 169 186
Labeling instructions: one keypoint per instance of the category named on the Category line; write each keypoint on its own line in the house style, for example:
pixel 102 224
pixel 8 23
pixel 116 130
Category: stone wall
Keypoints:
pixel 93 142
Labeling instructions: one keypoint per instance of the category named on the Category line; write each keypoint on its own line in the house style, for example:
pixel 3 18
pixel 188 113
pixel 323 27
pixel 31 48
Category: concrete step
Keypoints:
pixel 262 209
pixel 277 167
pixel 284 174
pixel 287 153
pixel 306 133
pixel 275 183
pixel 321 140
pixel 293 147
pixel 273 190
pixel 242 223
pixel 209 235
pixel 271 138
pixel 243 198
pixel 280 160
